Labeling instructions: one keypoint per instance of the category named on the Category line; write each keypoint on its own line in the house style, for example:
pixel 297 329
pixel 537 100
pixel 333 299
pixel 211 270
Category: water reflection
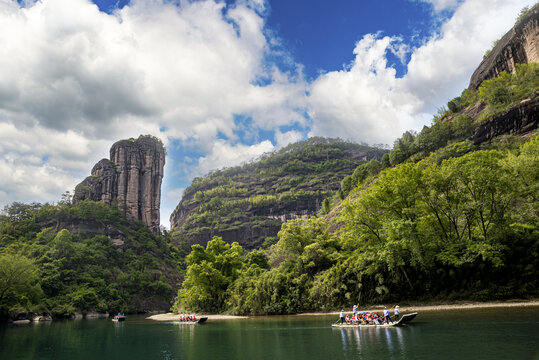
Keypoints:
pixel 41 323
pixel 479 336
pixel 118 327
pixel 186 329
pixel 365 341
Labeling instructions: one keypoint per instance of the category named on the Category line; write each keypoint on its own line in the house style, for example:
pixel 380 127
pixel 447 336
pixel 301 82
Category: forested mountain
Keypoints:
pixel 450 213
pixel 64 259
pixel 248 203
pixel 465 228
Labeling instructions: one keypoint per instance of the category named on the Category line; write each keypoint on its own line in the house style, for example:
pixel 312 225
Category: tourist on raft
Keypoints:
pixel 342 316
pixel 386 316
pixel 397 312
pixel 187 317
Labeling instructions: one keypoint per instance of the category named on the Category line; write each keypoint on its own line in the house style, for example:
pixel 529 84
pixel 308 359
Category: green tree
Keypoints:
pixel 385 161
pixel 18 282
pixel 209 273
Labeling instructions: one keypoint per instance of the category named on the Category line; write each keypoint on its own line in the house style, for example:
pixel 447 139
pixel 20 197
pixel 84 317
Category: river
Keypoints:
pixel 511 333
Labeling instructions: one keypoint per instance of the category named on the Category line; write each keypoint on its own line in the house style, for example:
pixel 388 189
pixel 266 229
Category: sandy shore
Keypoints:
pixel 438 307
pixel 175 317
pixel 403 307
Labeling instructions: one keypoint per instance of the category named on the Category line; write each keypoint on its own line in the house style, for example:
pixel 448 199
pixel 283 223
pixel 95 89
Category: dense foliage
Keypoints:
pixel 47 269
pixel 497 94
pixel 435 218
pixel 246 203
pixel 464 227
pixel 452 125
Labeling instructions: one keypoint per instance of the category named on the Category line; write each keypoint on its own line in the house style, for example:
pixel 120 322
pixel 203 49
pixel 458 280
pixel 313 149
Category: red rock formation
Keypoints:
pixel 130 180
pixel 519 46
pixel 519 119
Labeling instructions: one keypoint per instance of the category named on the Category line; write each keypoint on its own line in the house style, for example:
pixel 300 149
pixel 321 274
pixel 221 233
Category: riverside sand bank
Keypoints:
pixel 403 308
pixel 468 305
pixel 174 317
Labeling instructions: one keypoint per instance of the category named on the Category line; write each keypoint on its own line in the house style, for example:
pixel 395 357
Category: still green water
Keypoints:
pixel 477 334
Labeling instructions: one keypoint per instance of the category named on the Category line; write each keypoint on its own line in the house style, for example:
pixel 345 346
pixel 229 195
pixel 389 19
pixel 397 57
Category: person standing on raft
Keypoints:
pixel 397 312
pixel 342 316
pixel 386 315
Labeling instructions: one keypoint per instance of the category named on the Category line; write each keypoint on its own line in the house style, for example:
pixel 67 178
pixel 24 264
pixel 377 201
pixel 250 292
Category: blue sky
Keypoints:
pixel 222 82
pixel 320 35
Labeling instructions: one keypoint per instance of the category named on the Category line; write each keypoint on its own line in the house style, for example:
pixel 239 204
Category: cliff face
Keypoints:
pixel 519 119
pixel 130 180
pixel 519 46
pixel 249 203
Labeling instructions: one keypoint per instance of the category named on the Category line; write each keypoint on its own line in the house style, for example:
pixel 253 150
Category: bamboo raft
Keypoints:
pixel 403 320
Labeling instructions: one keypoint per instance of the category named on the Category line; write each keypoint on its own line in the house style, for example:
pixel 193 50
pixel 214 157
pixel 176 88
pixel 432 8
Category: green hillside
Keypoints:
pixel 249 203
pixel 441 218
pixel 47 269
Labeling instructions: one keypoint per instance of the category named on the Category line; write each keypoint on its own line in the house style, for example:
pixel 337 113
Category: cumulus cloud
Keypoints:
pixel 368 102
pixel 169 200
pixel 188 68
pixel 38 164
pixel 288 137
pixel 73 80
pixel 440 5
pixel 224 154
pixel 175 193
pixel 178 70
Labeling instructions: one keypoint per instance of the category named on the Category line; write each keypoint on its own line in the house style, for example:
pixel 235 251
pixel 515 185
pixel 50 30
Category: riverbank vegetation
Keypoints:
pixel 452 127
pixel 462 228
pixel 436 218
pixel 47 269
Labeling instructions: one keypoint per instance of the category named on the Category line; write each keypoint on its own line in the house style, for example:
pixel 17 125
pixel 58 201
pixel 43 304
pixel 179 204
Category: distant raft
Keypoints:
pixel 403 320
pixel 118 318
pixel 193 322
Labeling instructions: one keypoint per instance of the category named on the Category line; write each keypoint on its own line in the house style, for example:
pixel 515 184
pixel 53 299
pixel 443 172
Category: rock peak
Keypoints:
pixel 517 46
pixel 130 180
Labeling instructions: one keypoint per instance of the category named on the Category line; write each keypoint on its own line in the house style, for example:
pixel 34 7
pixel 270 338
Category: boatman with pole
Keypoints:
pixel 355 310
pixel 342 316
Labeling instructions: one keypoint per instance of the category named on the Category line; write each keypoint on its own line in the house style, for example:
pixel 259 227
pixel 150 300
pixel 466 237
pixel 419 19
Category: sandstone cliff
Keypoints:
pixel 519 46
pixel 130 180
pixel 519 119
pixel 249 203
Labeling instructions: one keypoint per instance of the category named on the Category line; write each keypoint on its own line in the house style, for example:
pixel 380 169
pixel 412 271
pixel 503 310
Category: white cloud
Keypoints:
pixel 368 102
pixel 175 193
pixel 76 79
pixel 440 5
pixel 39 164
pixel 286 138
pixel 441 68
pixel 224 154
pixel 169 200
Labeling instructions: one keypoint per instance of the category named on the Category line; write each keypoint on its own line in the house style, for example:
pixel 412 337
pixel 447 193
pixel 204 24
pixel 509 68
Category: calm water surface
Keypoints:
pixel 471 334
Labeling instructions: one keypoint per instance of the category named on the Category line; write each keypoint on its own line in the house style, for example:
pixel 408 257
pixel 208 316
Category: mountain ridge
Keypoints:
pixel 288 184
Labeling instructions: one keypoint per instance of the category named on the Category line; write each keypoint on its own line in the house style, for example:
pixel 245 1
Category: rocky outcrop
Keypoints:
pixel 130 180
pixel 92 228
pixel 249 203
pixel 519 46
pixel 519 119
